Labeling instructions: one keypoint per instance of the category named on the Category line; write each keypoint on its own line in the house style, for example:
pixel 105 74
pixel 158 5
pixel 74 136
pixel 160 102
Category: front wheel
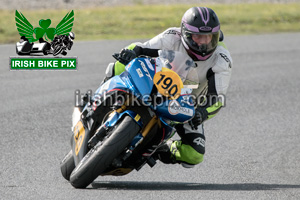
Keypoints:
pixel 98 159
pixel 57 50
pixel 67 165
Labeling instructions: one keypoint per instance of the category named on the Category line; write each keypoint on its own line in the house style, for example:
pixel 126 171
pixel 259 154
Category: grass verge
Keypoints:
pixel 147 21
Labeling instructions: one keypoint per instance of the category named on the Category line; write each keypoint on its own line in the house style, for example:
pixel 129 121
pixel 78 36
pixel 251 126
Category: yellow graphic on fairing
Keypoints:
pixel 79 134
pixel 137 117
pixel 168 83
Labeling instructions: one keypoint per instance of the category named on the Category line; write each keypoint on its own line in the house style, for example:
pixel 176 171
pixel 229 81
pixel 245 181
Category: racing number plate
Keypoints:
pixel 168 83
pixel 79 134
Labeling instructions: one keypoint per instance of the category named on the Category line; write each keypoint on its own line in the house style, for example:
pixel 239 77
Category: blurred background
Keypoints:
pixel 130 19
pixel 67 4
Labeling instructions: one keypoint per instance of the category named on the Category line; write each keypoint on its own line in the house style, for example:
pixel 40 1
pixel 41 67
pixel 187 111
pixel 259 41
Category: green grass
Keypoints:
pixel 142 21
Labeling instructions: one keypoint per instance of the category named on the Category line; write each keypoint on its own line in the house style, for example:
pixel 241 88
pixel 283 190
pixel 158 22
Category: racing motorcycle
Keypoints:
pixel 128 118
pixel 61 44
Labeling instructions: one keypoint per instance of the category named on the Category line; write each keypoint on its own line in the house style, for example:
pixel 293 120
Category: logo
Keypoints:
pixel 145 69
pixel 149 65
pixel 173 32
pixel 79 133
pixel 140 73
pixel 199 141
pixel 205 28
pixel 187 100
pixel 174 108
pixel 36 43
pixel 225 57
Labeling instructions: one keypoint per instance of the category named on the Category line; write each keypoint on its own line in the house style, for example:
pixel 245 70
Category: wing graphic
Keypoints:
pixel 66 24
pixel 24 27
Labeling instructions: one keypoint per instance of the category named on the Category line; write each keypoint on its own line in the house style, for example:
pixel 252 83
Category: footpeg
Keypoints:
pixel 151 162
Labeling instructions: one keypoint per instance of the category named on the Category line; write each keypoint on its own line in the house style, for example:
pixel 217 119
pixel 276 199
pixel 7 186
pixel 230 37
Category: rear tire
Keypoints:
pixel 98 159
pixel 67 165
pixel 45 52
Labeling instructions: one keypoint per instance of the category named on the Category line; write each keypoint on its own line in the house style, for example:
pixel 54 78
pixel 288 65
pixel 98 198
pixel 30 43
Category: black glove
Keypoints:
pixel 126 55
pixel 199 117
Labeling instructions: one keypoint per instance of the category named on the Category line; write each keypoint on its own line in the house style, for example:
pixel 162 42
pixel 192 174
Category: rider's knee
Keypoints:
pixel 193 157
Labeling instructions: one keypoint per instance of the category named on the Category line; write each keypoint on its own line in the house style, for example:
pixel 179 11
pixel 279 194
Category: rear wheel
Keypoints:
pixel 46 49
pixel 102 155
pixel 45 52
pixel 67 165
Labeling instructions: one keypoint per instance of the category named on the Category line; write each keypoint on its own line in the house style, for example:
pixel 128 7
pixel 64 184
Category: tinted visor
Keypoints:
pixel 202 43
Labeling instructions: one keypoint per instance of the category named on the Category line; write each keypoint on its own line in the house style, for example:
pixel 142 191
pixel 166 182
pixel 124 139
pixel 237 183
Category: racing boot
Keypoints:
pixel 163 153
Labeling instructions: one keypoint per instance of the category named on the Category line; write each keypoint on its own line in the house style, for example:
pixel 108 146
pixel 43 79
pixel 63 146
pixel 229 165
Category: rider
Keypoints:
pixel 201 39
pixel 66 40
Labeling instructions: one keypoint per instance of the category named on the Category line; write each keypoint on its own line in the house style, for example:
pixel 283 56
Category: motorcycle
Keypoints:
pixel 24 47
pixel 60 46
pixel 129 117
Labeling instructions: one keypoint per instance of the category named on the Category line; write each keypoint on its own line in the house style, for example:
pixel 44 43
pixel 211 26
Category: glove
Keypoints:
pixel 126 55
pixel 199 117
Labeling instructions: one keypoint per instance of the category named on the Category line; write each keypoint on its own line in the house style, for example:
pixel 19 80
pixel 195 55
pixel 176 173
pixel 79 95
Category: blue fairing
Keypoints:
pixel 139 76
pixel 179 110
pixel 112 84
pixel 168 129
pixel 138 80
pixel 116 116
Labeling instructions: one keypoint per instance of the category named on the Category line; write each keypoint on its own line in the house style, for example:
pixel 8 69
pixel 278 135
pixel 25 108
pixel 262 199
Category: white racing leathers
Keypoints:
pixel 212 77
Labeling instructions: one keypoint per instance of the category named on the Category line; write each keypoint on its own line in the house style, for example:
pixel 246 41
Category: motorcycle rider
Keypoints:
pixel 200 38
pixel 66 40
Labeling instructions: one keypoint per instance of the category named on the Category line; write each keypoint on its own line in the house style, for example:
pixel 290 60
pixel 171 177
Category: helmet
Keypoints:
pixel 200 22
pixel 72 35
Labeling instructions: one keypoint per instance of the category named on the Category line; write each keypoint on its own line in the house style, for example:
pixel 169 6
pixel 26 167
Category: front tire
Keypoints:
pixel 67 165
pixel 98 159
pixel 57 50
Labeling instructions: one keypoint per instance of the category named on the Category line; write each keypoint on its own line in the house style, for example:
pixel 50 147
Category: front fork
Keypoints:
pixel 112 120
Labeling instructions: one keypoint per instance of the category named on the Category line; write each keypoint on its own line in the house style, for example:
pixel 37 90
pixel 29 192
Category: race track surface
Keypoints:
pixel 252 148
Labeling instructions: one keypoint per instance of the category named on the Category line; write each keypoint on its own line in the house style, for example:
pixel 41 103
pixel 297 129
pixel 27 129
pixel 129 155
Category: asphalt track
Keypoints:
pixel 253 145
